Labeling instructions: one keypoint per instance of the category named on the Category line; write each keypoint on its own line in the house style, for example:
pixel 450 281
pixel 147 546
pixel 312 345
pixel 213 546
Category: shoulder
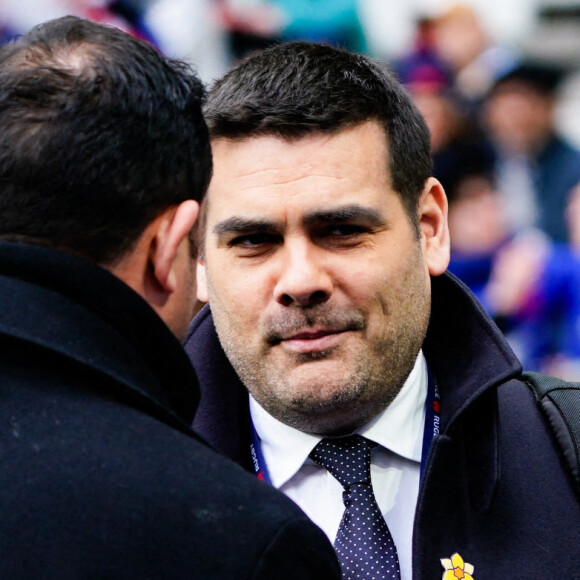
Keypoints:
pixel 519 414
pixel 529 447
pixel 217 519
pixel 560 155
pixel 156 502
pixel 560 146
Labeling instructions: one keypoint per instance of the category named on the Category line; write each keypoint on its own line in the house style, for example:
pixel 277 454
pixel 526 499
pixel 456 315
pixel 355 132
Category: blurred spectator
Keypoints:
pixel 430 83
pixel 457 142
pixel 128 15
pixel 536 168
pixel 462 42
pixel 476 219
pixel 250 24
pixel 18 16
pixel 533 291
pixel 334 22
pixel 191 30
pixel 6 32
pixel 528 283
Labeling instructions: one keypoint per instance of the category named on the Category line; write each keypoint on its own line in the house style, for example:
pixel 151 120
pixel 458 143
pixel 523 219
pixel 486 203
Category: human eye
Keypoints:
pixel 346 230
pixel 343 234
pixel 252 243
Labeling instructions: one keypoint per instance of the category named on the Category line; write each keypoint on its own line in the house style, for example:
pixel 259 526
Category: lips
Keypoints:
pixel 319 326
pixel 311 335
pixel 311 341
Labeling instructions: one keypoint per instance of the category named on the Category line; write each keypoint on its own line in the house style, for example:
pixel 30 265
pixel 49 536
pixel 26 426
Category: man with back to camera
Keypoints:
pixel 104 159
pixel 323 259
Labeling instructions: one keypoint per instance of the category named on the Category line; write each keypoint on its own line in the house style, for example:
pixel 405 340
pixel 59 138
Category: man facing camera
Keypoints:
pixel 340 361
pixel 104 160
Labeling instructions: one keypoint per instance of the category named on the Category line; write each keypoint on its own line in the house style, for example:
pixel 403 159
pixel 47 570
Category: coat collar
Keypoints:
pixel 223 415
pixel 80 310
pixel 470 359
pixel 465 350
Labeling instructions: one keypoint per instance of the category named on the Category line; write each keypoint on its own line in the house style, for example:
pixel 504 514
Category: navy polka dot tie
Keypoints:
pixel 363 544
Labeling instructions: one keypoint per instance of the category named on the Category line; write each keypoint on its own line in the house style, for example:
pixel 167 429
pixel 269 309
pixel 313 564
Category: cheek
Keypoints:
pixel 239 295
pixel 387 287
pixel 369 287
pixel 383 272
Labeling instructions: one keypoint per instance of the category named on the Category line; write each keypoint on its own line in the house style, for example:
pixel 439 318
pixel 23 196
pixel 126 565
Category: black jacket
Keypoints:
pixel 100 474
pixel 495 490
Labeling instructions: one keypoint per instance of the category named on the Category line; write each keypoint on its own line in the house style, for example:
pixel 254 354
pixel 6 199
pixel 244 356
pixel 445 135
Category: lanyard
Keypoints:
pixel 430 432
pixel 432 419
pixel 260 468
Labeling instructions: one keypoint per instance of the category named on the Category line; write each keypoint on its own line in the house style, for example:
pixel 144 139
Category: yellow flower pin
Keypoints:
pixel 456 568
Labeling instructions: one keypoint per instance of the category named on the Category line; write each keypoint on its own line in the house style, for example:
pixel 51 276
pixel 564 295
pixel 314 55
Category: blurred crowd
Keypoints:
pixel 512 178
pixel 513 182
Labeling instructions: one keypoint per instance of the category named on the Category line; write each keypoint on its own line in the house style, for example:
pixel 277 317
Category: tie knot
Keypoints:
pixel 348 459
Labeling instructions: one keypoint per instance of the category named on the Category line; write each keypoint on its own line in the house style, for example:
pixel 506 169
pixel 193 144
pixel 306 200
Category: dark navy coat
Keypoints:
pixel 496 490
pixel 101 477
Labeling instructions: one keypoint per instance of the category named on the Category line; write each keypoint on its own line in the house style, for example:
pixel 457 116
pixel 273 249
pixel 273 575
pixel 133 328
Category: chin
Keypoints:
pixel 330 410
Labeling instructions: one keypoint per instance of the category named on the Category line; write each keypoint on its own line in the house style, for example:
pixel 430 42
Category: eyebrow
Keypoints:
pixel 239 225
pixel 353 212
pixel 347 213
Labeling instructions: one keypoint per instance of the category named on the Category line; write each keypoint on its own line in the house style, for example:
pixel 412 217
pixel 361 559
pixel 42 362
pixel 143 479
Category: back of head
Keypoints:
pixel 99 134
pixel 295 89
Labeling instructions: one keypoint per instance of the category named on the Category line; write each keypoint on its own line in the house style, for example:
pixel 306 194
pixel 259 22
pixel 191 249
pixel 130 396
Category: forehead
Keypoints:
pixel 316 171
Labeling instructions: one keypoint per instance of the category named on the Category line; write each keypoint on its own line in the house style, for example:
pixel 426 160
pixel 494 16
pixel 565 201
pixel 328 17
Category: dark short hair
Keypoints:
pixel 543 78
pixel 294 89
pixel 99 133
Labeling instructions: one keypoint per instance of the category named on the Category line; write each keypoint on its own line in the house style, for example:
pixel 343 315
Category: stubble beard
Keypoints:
pixel 342 401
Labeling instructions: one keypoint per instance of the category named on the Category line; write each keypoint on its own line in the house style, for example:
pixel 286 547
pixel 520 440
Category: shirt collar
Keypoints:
pixel 398 428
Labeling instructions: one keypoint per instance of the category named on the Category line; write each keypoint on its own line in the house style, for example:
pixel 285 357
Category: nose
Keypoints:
pixel 304 279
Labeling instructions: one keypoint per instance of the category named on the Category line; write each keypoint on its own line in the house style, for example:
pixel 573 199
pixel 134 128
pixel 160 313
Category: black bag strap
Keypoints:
pixel 560 403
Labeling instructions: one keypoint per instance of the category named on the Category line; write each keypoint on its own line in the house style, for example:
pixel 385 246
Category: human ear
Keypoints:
pixel 174 226
pixel 434 228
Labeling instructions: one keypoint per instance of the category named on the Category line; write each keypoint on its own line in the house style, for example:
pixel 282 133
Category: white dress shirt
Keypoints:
pixel 395 466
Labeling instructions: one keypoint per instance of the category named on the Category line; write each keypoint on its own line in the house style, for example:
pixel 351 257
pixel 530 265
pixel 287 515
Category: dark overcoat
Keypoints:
pixel 101 476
